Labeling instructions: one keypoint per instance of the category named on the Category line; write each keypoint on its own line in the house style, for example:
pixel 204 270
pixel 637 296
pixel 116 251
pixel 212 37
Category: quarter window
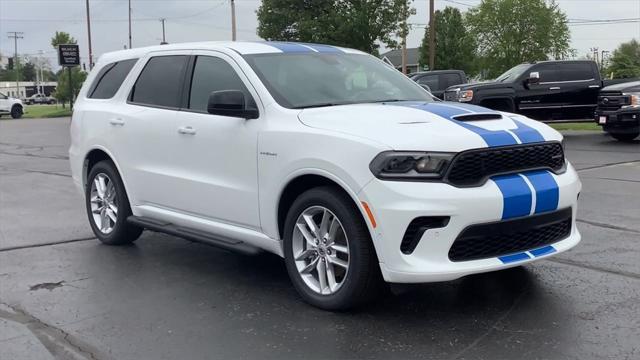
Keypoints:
pixel 160 83
pixel 110 78
pixel 213 74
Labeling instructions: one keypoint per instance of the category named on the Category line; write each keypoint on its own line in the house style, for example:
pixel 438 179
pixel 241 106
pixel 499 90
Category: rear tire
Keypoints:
pixel 108 206
pixel 16 112
pixel 625 137
pixel 343 242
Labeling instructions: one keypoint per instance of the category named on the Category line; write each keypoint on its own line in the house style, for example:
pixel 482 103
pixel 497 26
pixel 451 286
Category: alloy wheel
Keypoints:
pixel 104 207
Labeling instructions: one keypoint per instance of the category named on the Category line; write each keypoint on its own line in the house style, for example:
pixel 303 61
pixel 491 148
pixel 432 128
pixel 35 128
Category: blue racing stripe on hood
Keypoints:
pixel 516 195
pixel 547 191
pixel 526 133
pixel 490 137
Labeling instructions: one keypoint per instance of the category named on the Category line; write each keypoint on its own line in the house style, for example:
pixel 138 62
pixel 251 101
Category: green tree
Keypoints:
pixel 77 75
pixel 455 47
pixel 625 60
pixel 510 32
pixel 28 72
pixel 359 24
pixel 77 78
pixel 62 37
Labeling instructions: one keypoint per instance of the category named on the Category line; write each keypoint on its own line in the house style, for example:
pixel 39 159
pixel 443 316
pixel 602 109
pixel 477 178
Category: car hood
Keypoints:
pixel 483 85
pixel 437 126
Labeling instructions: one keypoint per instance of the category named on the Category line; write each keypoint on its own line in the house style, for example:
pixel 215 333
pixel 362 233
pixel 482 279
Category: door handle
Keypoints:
pixel 116 122
pixel 554 88
pixel 186 130
pixel 594 86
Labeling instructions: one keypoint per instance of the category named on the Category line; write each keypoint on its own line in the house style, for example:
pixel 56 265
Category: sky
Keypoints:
pixel 201 20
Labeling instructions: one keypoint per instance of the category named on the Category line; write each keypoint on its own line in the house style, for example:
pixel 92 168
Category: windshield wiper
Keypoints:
pixel 318 105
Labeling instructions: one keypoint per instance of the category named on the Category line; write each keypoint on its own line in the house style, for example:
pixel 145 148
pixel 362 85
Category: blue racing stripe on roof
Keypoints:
pixel 516 195
pixel 514 257
pixel 547 191
pixel 288 47
pixel 324 48
pixel 543 251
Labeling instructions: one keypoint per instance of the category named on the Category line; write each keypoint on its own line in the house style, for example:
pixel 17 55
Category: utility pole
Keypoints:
pixel 129 24
pixel 163 38
pixel 41 63
pixel 432 35
pixel 16 35
pixel 89 36
pixel 233 20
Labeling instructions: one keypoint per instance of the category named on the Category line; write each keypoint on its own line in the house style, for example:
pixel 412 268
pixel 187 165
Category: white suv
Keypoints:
pixel 323 155
pixel 11 106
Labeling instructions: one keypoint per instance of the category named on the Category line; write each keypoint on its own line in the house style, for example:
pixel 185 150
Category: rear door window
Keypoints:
pixel 575 71
pixel 110 78
pixel 450 80
pixel 432 81
pixel 160 82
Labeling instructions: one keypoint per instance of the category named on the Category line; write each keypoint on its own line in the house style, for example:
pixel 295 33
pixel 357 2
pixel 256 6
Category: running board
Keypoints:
pixel 193 235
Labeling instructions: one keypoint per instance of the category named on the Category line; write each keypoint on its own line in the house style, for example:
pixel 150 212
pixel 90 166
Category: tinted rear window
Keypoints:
pixel 160 83
pixel 110 78
pixel 575 71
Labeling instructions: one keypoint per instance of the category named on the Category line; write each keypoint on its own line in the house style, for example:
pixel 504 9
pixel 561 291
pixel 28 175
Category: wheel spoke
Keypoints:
pixel 331 277
pixel 99 188
pixel 306 234
pixel 104 221
pixel 322 275
pixel 111 215
pixel 98 210
pixel 340 248
pixel 113 208
pixel 309 268
pixel 305 254
pixel 333 229
pixel 308 219
pixel 336 261
pixel 324 224
pixel 110 192
pixel 94 199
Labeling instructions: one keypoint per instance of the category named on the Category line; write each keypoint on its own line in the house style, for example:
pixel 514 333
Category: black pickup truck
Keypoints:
pixel 546 90
pixel 618 110
pixel 439 80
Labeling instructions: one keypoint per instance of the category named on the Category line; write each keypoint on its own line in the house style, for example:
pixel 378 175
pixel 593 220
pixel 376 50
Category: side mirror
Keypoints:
pixel 230 103
pixel 426 87
pixel 534 78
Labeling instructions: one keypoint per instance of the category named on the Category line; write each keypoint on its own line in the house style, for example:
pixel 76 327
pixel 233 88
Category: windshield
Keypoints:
pixel 513 73
pixel 302 80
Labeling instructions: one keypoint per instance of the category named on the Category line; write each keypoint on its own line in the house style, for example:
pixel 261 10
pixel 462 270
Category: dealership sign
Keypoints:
pixel 68 55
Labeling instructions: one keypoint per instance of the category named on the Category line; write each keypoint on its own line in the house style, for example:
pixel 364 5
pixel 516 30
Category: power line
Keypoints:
pixel 16 35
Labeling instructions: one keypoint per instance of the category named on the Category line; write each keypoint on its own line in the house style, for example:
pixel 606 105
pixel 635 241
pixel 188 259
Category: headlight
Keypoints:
pixel 635 98
pixel 465 95
pixel 401 165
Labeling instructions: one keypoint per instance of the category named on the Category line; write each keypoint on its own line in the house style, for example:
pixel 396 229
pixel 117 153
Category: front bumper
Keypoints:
pixel 395 204
pixel 620 121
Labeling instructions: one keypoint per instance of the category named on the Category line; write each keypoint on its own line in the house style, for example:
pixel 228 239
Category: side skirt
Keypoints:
pixel 194 235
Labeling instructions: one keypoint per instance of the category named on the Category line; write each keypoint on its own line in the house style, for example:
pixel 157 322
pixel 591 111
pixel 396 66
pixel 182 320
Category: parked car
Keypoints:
pixel 39 99
pixel 544 90
pixel 618 110
pixel 11 106
pixel 319 154
pixel 439 80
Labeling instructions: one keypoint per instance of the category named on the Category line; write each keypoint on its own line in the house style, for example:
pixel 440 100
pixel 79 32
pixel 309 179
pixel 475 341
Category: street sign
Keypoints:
pixel 68 55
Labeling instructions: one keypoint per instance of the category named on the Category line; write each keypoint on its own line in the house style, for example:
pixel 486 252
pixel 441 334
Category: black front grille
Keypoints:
pixel 612 101
pixel 474 167
pixel 511 236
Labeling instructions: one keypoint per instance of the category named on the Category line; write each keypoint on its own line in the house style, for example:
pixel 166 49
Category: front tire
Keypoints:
pixel 108 206
pixel 625 137
pixel 328 251
pixel 16 112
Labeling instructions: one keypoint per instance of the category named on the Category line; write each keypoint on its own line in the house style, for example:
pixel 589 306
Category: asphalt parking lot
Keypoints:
pixel 63 295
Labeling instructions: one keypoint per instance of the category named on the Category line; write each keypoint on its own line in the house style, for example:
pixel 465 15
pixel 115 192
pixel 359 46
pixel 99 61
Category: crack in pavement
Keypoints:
pixel 594 268
pixel 20 247
pixel 493 327
pixel 60 344
pixel 607 165
pixel 607 226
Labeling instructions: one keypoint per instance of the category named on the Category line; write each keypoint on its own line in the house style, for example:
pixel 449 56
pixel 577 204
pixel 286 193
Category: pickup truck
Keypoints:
pixel 618 110
pixel 39 99
pixel 546 90
pixel 439 80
